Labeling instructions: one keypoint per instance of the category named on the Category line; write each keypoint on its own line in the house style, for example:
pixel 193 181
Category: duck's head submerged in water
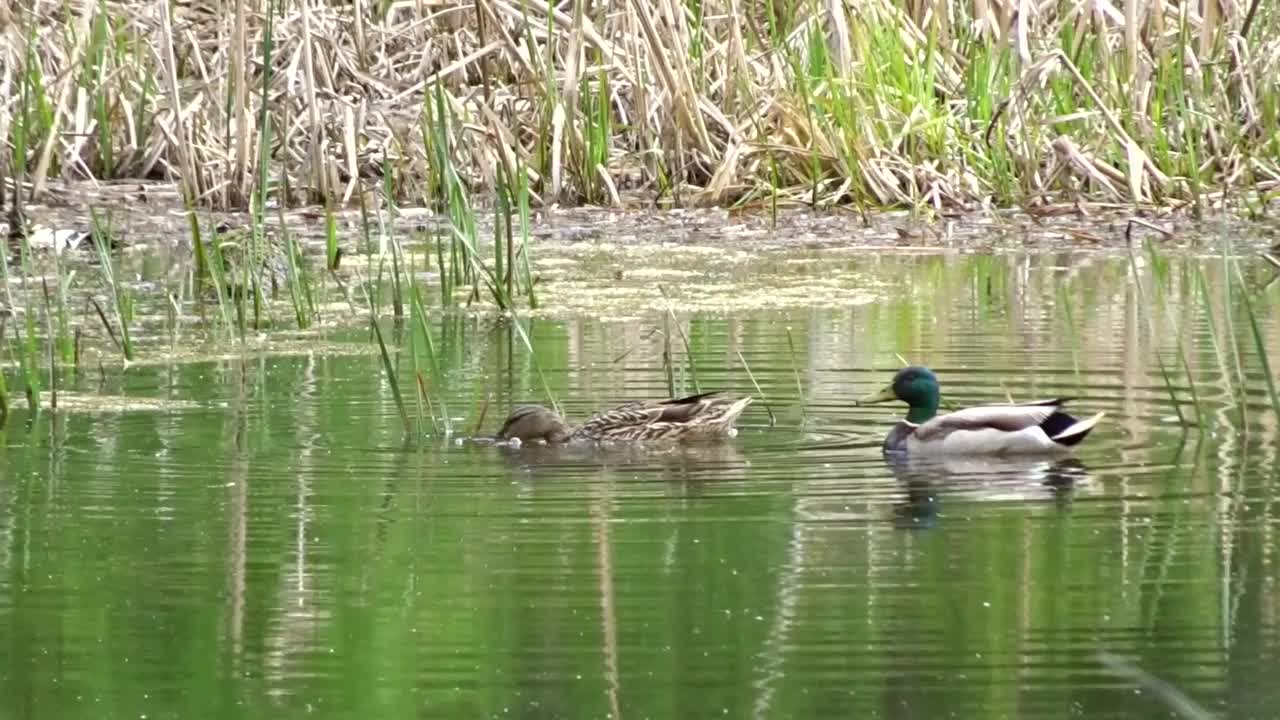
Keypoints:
pixel 530 423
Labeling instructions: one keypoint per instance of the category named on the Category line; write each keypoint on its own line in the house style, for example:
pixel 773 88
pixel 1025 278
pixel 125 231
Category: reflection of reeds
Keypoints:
pixel 390 369
pixel 1234 389
pixel 1259 344
pixel 4 390
pixel 537 366
pixel 608 611
pixel 387 365
pixel 1162 282
pixel 1144 311
pixel 1171 696
pixel 1073 338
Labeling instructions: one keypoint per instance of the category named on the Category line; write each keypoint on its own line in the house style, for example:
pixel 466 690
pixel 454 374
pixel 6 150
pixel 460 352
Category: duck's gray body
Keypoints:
pixel 1040 427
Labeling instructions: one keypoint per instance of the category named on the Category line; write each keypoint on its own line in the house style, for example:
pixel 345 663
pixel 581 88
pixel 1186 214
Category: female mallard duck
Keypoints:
pixel 694 417
pixel 1036 427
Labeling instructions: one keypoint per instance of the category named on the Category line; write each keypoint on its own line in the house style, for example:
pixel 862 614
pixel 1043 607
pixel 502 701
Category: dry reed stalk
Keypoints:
pixel 67 84
pixel 177 138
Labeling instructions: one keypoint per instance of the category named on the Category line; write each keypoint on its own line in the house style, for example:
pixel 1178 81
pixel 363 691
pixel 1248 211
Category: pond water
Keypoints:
pixel 259 538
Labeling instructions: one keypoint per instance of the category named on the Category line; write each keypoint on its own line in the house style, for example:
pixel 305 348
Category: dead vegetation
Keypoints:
pixel 858 102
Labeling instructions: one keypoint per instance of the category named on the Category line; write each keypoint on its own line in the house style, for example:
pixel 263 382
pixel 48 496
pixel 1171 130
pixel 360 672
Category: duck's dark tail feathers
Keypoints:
pixel 1067 430
pixel 690 399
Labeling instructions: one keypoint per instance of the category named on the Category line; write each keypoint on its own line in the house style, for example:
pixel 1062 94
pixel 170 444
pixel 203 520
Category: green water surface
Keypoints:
pixel 279 549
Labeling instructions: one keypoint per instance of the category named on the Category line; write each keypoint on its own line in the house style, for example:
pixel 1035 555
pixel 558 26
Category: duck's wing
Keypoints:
pixel 684 409
pixel 1000 418
pixel 640 414
pixel 619 419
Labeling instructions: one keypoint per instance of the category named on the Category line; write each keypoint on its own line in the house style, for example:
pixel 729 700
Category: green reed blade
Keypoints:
pixel 419 396
pixel 759 391
pixel 501 217
pixel 197 245
pixel 481 271
pixel 296 269
pixel 425 395
pixel 420 315
pixel 667 368
pixel 522 202
pixel 446 284
pixel 1186 365
pixel 27 362
pixel 331 250
pixel 53 358
pixel 397 297
pixel 391 375
pixel 120 294
pixel 795 371
pixel 217 272
pixel 4 393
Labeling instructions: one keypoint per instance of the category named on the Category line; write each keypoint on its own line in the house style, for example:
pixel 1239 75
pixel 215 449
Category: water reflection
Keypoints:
pixel 929 481
pixel 700 461
pixel 276 542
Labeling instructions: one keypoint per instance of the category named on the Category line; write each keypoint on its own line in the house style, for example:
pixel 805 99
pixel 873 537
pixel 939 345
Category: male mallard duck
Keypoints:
pixel 1036 427
pixel 694 417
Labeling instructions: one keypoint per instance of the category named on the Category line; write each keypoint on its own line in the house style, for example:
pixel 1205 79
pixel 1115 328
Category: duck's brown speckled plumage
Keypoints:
pixel 694 417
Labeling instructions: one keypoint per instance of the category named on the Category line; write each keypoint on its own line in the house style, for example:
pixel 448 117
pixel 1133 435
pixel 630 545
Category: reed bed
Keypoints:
pixel 718 102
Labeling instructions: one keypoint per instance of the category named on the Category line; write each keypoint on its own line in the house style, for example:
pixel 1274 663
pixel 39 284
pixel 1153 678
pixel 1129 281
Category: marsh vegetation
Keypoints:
pixel 864 103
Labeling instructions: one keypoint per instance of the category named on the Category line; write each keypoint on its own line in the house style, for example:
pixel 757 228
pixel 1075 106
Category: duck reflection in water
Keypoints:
pixel 930 480
pixel 685 461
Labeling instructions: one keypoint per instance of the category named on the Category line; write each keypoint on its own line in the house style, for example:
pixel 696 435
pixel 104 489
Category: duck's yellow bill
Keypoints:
pixel 884 395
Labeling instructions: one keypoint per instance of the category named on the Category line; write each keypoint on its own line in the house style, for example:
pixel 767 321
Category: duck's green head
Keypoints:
pixel 916 386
